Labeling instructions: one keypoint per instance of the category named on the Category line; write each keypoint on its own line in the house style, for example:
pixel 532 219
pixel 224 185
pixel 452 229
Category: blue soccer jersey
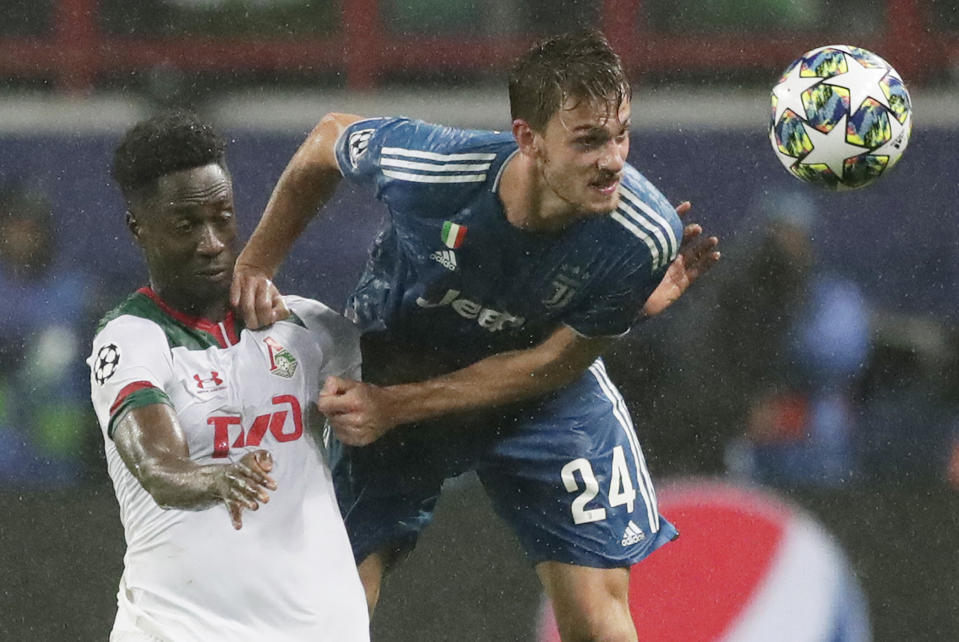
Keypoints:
pixel 450 273
pixel 451 281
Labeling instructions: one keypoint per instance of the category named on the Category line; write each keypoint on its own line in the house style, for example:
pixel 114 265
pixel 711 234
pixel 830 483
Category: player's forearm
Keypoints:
pixel 151 444
pixel 498 380
pixel 306 184
pixel 302 190
pixel 181 484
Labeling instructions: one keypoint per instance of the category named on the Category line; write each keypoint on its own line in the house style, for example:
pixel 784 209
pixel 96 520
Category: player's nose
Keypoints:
pixel 612 159
pixel 210 242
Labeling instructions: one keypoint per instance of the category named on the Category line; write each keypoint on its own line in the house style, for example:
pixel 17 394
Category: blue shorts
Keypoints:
pixel 565 472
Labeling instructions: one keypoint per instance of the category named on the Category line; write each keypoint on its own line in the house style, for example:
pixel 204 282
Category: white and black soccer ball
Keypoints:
pixel 841 117
pixel 108 357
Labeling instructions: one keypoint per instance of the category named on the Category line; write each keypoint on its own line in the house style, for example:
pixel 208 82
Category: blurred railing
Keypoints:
pixel 78 44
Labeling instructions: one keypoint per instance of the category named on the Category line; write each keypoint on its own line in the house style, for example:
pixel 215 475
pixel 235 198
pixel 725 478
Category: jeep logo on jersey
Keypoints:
pixel 282 362
pixel 359 141
pixel 492 320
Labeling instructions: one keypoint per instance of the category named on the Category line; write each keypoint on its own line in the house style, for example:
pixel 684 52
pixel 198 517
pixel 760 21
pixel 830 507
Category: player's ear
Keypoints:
pixel 525 137
pixel 133 225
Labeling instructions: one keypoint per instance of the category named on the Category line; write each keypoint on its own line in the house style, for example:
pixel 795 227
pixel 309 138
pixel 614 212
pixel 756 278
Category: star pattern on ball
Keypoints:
pixel 897 141
pixel 789 92
pixel 861 81
pixel 108 357
pixel 830 149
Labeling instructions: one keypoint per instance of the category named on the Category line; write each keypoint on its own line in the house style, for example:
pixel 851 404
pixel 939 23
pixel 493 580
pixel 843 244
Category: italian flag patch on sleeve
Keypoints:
pixel 453 234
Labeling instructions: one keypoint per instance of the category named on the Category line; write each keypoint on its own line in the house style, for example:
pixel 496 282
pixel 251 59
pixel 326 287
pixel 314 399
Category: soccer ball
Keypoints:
pixel 841 117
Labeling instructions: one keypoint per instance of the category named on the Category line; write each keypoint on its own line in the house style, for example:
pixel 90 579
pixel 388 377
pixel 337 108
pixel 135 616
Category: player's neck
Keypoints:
pixel 530 205
pixel 212 308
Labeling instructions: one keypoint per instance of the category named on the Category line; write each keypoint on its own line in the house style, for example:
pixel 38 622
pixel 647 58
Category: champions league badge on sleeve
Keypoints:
pixel 108 358
pixel 358 142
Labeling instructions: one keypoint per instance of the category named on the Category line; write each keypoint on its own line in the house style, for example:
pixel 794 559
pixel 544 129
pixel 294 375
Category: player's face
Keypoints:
pixel 583 153
pixel 188 232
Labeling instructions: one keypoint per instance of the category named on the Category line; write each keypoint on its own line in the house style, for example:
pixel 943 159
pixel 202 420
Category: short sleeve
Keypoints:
pixel 612 311
pixel 130 367
pixel 338 338
pixel 416 168
pixel 359 147
pixel 648 232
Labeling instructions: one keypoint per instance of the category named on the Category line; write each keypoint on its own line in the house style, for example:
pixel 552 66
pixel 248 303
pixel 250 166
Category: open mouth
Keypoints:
pixel 607 185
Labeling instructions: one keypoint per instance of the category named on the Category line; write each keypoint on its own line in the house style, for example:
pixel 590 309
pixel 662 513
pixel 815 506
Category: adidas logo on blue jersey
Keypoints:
pixel 633 534
pixel 446 258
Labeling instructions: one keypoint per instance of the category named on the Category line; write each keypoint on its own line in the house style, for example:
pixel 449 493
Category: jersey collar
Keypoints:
pixel 226 332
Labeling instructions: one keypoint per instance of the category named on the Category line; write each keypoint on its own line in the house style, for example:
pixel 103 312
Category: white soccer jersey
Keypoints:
pixel 289 573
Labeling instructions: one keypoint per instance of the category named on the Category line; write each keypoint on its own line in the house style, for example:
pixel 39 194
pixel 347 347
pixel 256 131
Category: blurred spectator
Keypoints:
pixel 775 347
pixel 43 410
pixel 909 406
pixel 803 346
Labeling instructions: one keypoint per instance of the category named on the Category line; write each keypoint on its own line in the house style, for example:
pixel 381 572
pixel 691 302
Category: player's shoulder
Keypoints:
pixel 132 323
pixel 136 308
pixel 420 168
pixel 645 220
pixel 419 139
pixel 637 191
pixel 318 317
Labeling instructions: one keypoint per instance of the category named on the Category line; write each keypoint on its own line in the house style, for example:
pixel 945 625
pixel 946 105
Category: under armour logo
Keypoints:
pixel 214 379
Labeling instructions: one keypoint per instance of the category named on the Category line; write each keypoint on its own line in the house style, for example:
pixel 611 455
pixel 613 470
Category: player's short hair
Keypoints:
pixel 171 141
pixel 578 65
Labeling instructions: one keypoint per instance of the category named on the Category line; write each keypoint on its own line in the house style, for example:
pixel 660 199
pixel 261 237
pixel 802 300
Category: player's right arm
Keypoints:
pixel 151 443
pixel 131 370
pixel 305 185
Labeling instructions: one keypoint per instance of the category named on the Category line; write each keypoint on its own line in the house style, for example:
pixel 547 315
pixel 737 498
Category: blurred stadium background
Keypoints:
pixel 833 385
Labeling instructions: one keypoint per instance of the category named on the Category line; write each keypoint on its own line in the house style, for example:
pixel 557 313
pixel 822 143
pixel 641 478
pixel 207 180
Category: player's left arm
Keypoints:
pixel 697 254
pixel 361 413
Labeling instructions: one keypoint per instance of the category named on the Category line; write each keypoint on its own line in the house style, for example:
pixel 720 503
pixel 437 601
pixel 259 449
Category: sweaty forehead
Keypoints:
pixel 582 113
pixel 193 186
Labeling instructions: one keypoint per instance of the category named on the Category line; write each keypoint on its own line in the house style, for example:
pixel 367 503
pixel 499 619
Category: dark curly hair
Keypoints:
pixel 578 65
pixel 168 142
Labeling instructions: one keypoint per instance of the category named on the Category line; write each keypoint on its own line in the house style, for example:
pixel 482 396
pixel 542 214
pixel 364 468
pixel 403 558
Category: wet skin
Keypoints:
pixel 187 230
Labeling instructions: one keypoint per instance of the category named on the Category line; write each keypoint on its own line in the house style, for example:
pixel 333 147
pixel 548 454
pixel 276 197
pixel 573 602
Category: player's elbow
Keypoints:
pixel 332 125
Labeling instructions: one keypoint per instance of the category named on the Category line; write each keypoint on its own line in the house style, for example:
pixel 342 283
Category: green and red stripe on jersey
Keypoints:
pixel 181 329
pixel 134 395
pixel 225 332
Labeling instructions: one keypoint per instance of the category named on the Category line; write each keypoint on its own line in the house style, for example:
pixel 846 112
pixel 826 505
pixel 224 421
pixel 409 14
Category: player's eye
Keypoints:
pixel 590 142
pixel 183 227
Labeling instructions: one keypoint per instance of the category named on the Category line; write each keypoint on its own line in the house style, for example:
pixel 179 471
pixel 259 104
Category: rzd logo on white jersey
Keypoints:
pixel 285 424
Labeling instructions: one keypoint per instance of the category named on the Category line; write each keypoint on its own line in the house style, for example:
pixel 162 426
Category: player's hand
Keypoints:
pixel 244 484
pixel 255 298
pixel 358 412
pixel 697 254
